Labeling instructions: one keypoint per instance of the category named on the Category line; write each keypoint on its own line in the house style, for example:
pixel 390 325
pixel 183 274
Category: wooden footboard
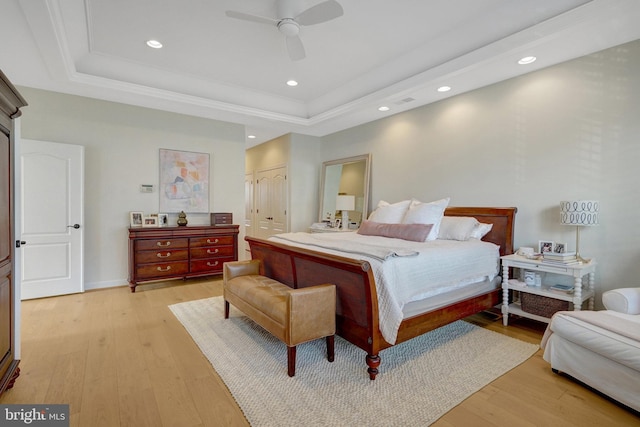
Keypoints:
pixel 357 302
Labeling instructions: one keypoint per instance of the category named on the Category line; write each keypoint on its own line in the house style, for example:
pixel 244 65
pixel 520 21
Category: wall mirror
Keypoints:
pixel 349 176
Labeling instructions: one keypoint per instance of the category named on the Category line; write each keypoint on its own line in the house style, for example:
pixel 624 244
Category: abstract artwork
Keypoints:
pixel 184 181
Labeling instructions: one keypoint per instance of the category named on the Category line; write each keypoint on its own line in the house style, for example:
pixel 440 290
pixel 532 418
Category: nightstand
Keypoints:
pixel 581 293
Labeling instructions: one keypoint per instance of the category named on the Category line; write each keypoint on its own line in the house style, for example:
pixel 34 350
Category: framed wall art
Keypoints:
pixel 184 181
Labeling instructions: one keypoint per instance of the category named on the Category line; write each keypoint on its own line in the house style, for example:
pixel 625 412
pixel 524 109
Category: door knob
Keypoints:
pixel 20 243
pixel 76 226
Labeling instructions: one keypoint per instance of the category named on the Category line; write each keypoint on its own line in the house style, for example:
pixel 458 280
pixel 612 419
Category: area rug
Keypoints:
pixel 419 380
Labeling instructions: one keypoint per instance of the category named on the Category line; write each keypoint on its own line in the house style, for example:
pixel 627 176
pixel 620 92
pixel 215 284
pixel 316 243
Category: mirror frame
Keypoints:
pixel 367 173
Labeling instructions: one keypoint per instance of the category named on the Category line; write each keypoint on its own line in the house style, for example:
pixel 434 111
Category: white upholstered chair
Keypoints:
pixel 600 348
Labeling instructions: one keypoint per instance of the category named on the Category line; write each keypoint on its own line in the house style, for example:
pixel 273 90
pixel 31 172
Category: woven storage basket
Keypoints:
pixel 541 306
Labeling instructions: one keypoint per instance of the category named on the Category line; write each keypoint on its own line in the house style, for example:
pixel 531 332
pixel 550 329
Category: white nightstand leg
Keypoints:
pixel 577 294
pixel 592 284
pixel 505 295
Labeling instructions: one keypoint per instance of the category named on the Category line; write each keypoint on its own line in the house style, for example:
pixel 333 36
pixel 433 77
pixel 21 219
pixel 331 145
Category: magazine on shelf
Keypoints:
pixel 564 289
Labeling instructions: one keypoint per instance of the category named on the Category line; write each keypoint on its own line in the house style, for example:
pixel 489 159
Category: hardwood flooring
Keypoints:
pixel 123 359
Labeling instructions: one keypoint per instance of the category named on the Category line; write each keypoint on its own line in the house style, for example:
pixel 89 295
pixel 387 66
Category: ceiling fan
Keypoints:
pixel 289 24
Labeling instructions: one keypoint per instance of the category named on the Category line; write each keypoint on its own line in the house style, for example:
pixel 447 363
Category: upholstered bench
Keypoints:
pixel 294 316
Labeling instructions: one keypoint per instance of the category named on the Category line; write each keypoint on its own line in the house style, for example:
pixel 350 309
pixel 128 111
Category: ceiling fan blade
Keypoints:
pixel 295 48
pixel 249 17
pixel 322 12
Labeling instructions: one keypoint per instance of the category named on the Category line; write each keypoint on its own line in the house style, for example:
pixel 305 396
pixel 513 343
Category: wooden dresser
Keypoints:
pixel 180 252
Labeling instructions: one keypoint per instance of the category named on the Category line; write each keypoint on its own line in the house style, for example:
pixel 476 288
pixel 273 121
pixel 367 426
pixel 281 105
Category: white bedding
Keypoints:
pixel 439 266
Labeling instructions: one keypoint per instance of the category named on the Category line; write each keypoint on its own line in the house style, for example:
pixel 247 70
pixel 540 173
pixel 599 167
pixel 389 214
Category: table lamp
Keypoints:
pixel 581 213
pixel 345 203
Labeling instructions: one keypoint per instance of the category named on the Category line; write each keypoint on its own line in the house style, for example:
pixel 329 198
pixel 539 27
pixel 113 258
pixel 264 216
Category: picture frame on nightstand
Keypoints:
pixel 560 248
pixel 545 246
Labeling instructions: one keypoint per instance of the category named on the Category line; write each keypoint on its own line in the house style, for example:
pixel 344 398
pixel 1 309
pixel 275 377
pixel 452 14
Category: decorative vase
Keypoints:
pixel 182 219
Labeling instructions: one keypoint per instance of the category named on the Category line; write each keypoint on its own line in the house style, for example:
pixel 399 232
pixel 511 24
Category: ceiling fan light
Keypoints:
pixel 289 27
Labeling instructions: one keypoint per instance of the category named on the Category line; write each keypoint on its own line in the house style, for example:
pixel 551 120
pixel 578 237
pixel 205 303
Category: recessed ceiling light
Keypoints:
pixel 527 60
pixel 444 88
pixel 383 108
pixel 251 136
pixel 292 83
pixel 154 44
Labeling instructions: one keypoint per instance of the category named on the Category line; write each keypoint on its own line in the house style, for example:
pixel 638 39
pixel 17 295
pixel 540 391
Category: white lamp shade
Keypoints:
pixel 345 203
pixel 580 212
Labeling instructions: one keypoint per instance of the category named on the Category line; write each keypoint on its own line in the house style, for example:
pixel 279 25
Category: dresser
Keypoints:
pixel 180 252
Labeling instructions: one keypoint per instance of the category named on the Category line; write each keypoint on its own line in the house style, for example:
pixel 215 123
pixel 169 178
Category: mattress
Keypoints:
pixel 405 271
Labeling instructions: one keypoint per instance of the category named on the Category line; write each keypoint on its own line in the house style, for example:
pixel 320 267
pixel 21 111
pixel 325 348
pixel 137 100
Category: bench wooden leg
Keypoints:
pixel 331 339
pixel 291 360
pixel 226 309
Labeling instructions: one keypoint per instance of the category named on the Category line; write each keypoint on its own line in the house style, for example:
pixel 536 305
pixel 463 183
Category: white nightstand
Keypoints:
pixel 581 292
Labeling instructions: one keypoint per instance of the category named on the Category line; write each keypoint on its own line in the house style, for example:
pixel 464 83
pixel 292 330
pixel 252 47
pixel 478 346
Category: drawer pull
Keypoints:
pixel 159 255
pixel 215 251
pixel 164 269
pixel 163 244
pixel 213 241
pixel 212 264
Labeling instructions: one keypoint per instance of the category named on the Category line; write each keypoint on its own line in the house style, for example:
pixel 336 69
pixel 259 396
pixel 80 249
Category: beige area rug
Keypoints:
pixel 419 381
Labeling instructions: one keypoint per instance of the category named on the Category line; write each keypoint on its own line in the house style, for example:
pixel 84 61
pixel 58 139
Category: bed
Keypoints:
pixel 357 308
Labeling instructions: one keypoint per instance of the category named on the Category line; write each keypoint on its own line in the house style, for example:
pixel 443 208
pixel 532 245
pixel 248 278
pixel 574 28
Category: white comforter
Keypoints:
pixel 406 271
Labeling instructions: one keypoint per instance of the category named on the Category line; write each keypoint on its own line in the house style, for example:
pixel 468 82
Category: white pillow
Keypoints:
pixel 427 213
pixel 457 227
pixel 387 213
pixel 480 230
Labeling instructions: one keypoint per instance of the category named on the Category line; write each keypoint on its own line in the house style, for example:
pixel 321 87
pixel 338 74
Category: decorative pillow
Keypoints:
pixel 480 230
pixel 413 232
pixel 457 227
pixel 390 213
pixel 427 213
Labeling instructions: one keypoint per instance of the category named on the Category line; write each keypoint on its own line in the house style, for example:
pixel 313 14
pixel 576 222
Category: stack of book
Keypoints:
pixel 564 258
pixel 561 289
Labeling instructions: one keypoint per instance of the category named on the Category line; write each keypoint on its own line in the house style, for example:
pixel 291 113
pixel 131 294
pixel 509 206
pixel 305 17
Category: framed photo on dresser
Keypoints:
pixel 136 218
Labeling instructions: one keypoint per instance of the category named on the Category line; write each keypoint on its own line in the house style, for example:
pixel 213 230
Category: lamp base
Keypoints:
pixel 345 220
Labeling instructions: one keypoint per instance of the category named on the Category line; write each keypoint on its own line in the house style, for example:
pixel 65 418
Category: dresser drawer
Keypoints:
pixel 163 269
pixel 142 245
pixel 211 265
pixel 211 240
pixel 212 251
pixel 143 257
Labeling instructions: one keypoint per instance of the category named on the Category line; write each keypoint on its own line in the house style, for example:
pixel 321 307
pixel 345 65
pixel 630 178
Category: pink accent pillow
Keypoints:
pixel 413 232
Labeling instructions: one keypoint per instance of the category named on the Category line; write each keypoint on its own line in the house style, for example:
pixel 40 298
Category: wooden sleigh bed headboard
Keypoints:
pixel 357 302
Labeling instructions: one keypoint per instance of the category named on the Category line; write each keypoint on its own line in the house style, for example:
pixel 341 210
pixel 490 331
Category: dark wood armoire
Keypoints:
pixel 10 104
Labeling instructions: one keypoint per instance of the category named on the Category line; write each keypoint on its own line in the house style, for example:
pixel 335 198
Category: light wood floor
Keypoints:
pixel 123 359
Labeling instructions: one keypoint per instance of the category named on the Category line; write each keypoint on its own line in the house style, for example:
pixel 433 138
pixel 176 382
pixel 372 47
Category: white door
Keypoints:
pixel 271 202
pixel 248 207
pixel 50 209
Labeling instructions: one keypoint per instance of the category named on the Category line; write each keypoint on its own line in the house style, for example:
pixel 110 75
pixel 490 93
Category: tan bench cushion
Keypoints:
pixel 265 294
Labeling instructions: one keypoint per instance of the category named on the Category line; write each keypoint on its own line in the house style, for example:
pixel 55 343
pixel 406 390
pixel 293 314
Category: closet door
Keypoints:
pixel 271 202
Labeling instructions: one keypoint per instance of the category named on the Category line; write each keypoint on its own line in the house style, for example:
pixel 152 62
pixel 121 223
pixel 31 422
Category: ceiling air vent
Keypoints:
pixel 405 100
